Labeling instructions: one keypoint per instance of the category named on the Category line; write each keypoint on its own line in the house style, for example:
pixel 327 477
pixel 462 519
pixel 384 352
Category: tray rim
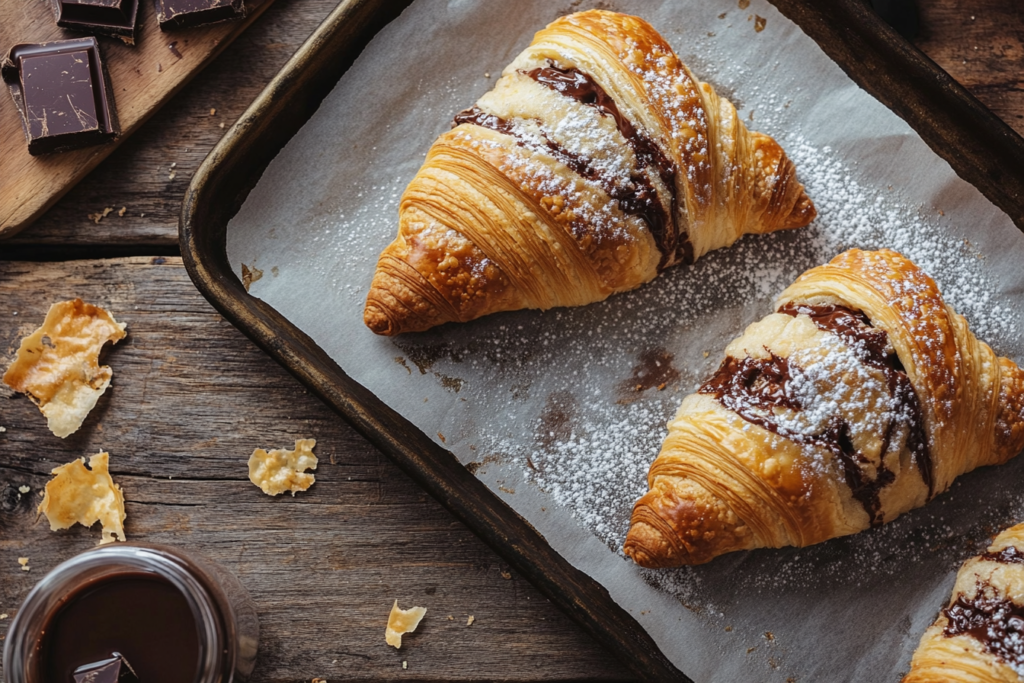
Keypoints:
pixel 842 28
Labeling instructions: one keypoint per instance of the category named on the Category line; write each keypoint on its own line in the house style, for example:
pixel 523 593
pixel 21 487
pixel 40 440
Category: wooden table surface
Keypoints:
pixel 191 398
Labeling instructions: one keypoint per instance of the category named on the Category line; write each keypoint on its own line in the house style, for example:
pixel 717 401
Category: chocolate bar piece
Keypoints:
pixel 115 669
pixel 115 18
pixel 63 94
pixel 172 14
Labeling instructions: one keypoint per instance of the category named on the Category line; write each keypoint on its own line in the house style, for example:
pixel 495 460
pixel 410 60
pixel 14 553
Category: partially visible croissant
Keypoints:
pixel 862 398
pixel 597 161
pixel 979 636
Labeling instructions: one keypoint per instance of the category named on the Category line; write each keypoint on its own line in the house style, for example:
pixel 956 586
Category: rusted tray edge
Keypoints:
pixel 977 144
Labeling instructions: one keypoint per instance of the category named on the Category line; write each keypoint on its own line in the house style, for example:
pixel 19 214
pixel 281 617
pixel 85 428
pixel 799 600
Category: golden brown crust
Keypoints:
pixel 522 215
pixel 960 657
pixel 726 481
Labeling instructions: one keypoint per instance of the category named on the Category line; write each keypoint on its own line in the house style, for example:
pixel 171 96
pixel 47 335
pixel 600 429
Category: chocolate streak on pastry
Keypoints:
pixel 856 330
pixel 478 117
pixel 636 199
pixel 741 384
pixel 997 624
pixel 1008 555
pixel 643 199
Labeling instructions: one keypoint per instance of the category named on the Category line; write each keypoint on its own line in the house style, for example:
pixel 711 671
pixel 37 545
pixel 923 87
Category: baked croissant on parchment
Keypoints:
pixel 597 161
pixel 979 636
pixel 863 397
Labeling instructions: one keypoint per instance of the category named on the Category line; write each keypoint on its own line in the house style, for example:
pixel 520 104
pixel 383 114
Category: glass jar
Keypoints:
pixel 225 617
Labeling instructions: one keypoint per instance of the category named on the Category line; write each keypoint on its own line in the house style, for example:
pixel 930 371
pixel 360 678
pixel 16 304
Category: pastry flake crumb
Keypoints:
pixel 759 23
pixel 402 621
pixel 405 664
pixel 279 470
pixel 58 364
pixel 85 495
pixel 97 217
pixel 451 618
pixel 250 274
pixel 23 561
pixel 24 489
pixel 3 429
pixel 3 616
pixel 121 211
pixel 469 622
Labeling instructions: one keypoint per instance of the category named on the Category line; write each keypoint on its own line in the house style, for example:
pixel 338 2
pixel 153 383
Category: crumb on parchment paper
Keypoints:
pixel 58 364
pixel 85 495
pixel 402 621
pixel 250 274
pixel 280 470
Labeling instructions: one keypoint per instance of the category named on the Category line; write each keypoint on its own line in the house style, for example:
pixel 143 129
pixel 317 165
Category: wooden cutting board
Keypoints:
pixel 143 77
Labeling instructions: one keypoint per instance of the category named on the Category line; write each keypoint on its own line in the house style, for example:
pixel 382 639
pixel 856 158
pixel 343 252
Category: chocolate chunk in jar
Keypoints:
pixel 114 18
pixel 174 14
pixel 62 93
pixel 114 669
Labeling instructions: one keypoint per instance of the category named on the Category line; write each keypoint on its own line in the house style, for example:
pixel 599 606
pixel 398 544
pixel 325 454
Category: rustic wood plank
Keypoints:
pixel 143 77
pixel 136 175
pixel 981 44
pixel 190 399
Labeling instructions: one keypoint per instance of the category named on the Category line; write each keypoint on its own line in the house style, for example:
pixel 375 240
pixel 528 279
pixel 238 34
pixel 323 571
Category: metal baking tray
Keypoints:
pixel 980 147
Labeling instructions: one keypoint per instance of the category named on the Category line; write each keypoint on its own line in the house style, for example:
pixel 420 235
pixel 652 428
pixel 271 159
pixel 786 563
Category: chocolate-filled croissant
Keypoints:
pixel 979 636
pixel 861 398
pixel 596 162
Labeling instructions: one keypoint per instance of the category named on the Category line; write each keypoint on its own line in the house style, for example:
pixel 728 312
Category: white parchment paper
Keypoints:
pixel 544 407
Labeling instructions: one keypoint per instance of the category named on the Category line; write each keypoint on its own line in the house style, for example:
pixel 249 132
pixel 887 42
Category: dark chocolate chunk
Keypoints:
pixel 115 669
pixel 63 94
pixel 115 18
pixel 172 14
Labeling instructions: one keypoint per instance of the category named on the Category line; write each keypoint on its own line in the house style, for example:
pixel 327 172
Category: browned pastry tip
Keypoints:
pixel 670 530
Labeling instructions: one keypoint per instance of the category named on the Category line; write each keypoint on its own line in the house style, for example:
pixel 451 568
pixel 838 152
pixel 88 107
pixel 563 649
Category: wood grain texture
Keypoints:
pixel 136 175
pixel 980 43
pixel 190 399
pixel 142 77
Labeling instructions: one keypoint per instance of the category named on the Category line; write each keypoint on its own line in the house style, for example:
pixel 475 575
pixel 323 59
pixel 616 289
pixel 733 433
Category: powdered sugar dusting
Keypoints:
pixel 551 399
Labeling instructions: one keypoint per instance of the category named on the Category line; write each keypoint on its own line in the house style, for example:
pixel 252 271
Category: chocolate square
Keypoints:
pixel 115 18
pixel 172 14
pixel 115 669
pixel 62 93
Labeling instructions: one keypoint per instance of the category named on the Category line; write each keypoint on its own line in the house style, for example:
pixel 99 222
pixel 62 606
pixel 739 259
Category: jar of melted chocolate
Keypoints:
pixel 129 612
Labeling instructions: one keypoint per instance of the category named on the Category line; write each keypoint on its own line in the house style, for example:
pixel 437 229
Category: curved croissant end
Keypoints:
pixel 596 162
pixel 864 396
pixel 712 528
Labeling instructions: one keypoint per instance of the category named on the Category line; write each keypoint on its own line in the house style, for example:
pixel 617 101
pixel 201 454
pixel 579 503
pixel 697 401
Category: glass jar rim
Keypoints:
pixel 47 595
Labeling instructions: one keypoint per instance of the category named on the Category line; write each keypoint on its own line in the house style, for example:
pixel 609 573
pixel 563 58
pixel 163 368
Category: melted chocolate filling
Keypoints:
pixel 742 384
pixel 638 197
pixel 855 329
pixel 1009 555
pixel 997 624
